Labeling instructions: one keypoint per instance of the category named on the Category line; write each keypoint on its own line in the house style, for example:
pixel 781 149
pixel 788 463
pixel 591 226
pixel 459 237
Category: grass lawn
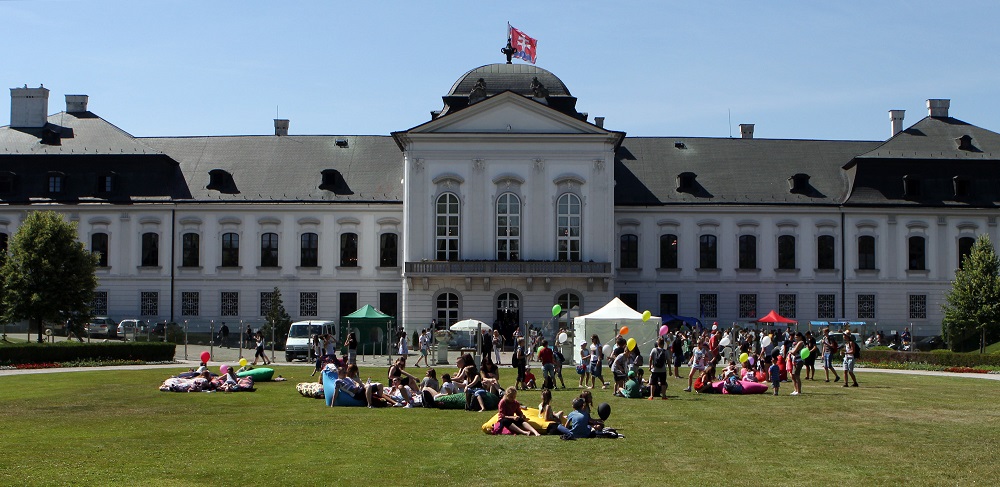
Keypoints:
pixel 116 428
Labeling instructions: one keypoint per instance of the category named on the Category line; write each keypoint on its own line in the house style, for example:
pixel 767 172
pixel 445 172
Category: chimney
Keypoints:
pixel 281 126
pixel 29 107
pixel 746 130
pixel 599 121
pixel 938 108
pixel 896 118
pixel 76 103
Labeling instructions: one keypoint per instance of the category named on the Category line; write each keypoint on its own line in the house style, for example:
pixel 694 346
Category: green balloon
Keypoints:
pixel 805 354
pixel 556 310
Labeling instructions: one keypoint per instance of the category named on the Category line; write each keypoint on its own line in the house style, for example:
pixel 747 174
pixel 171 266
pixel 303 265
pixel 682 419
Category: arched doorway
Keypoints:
pixel 508 315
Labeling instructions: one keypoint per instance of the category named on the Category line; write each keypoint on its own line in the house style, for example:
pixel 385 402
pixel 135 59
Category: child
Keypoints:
pixel 529 379
pixel 578 423
pixel 774 373
pixel 511 416
pixel 545 409
pixel 588 401
pixel 584 365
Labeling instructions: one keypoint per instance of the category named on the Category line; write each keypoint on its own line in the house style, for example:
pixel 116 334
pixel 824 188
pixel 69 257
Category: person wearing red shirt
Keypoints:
pixel 548 360
pixel 511 416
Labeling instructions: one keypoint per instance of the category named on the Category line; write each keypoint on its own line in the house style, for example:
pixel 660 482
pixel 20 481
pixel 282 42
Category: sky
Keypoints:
pixel 797 70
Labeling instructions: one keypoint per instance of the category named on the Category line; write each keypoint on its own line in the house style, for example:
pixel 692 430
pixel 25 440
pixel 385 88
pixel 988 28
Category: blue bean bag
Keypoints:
pixel 330 384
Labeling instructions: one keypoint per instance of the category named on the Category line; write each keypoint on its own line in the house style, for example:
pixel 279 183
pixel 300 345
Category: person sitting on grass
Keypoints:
pixel 350 384
pixel 490 376
pixel 578 422
pixel 529 379
pixel 429 381
pixel 545 409
pixel 632 389
pixel 511 416
pixel 398 371
pixel 401 395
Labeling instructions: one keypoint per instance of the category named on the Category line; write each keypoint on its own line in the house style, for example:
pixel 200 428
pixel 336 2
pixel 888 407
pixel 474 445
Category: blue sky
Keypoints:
pixel 799 70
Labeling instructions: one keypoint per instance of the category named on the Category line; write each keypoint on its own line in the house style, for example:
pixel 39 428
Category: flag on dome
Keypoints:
pixel 524 45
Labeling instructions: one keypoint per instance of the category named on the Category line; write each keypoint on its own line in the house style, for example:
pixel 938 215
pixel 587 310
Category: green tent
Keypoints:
pixel 371 327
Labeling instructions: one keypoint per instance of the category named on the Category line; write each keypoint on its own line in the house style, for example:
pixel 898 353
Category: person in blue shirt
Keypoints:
pixel 578 422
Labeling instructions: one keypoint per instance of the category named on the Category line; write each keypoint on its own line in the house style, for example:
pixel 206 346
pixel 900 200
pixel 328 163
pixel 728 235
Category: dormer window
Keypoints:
pixel 911 187
pixel 334 182
pixel 686 182
pixel 51 137
pixel 961 186
pixel 56 183
pixel 106 183
pixel 965 143
pixel 221 181
pixel 341 142
pixel 798 183
pixel 8 182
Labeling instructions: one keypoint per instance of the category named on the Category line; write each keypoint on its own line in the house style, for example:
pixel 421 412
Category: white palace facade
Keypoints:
pixel 507 201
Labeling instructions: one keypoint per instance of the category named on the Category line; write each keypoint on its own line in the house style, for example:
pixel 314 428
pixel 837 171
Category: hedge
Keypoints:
pixel 32 353
pixel 937 357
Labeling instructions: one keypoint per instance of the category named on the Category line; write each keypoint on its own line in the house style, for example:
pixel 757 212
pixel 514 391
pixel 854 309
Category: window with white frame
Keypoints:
pixel 230 249
pixel 190 250
pixel 349 249
pixel 269 250
pixel 230 303
pixel 150 250
pixel 447 227
pixel 508 227
pixel 708 252
pixel 99 306
pixel 149 303
pixel 918 306
pixel 190 303
pixel 388 245
pixel 446 308
pixel 917 252
pixel 708 305
pixel 826 306
pixel 309 303
pixel 787 305
pixel 748 306
pixel 866 306
pixel 309 250
pixel 568 224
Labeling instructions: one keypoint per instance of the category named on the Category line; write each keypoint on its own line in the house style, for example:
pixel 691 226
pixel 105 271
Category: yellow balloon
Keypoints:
pixel 645 315
pixel 243 362
pixel 631 343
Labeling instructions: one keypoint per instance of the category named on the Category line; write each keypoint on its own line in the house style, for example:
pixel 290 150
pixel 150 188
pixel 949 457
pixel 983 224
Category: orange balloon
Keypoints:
pixel 623 331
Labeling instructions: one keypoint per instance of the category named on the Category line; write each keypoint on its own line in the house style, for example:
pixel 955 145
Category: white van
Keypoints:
pixel 297 344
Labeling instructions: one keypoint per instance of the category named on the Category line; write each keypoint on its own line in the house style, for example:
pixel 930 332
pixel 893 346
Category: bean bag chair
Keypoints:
pixel 310 389
pixel 531 414
pixel 262 374
pixel 748 387
pixel 457 401
pixel 330 384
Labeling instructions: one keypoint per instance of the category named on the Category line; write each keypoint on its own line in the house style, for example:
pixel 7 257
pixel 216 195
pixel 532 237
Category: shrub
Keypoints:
pixel 34 353
pixel 937 357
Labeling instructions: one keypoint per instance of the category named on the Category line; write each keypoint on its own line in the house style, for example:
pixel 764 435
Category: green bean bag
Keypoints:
pixel 262 374
pixel 457 401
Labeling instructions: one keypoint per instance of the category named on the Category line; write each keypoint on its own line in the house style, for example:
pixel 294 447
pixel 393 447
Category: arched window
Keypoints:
pixel 447 229
pixel 786 252
pixel 568 222
pixel 230 249
pixel 387 250
pixel 668 251
pixel 99 246
pixel 309 250
pixel 508 227
pixel 748 252
pixel 629 246
pixel 150 250
pixel 348 250
pixel 269 250
pixel 917 254
pixel 866 252
pixel 964 248
pixel 708 257
pixel 508 313
pixel 190 250
pixel 446 308
pixel 569 301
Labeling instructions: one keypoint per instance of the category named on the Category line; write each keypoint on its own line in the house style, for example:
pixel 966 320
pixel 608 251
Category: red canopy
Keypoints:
pixel 773 317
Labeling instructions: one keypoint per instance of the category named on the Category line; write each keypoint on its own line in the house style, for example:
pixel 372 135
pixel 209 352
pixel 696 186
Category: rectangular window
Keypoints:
pixel 631 299
pixel 917 254
pixel 266 298
pixel 569 218
pixel 150 249
pixel 748 305
pixel 866 306
pixel 309 250
pixel 668 304
pixel 149 303
pixel 99 247
pixel 190 303
pixel 787 305
pixel 269 250
pixel 190 250
pixel 309 304
pixel 388 245
pixel 447 227
pixel 99 306
pixel 55 183
pixel 826 306
pixel 748 252
pixel 348 303
pixel 508 227
pixel 707 252
pixel 964 248
pixel 388 303
pixel 709 305
pixel 230 250
pixel 786 252
pixel 629 251
pixel 866 252
pixel 668 251
pixel 348 250
pixel 918 306
pixel 230 301
pixel 826 252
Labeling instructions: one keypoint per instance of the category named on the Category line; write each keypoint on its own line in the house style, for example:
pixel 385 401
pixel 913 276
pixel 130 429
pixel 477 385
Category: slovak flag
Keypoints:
pixel 524 45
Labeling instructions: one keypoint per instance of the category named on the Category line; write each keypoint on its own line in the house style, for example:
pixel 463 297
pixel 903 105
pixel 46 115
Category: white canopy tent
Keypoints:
pixel 606 322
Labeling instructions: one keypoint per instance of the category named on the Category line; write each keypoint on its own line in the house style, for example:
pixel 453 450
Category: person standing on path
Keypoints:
pixel 850 352
pixel 224 333
pixel 829 350
pixel 659 358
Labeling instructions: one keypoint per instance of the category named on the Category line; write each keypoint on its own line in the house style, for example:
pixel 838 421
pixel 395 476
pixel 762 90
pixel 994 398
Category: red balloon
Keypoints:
pixel 205 357
pixel 623 331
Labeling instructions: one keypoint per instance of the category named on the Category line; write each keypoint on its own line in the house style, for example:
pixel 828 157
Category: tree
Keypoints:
pixel 48 275
pixel 972 307
pixel 277 317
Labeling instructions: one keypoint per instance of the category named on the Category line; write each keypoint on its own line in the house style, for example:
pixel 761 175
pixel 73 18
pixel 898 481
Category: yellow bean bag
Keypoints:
pixel 531 414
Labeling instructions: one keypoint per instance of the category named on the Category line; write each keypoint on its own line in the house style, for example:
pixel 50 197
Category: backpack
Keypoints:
pixel 560 358
pixel 832 346
pixel 660 360
pixel 857 350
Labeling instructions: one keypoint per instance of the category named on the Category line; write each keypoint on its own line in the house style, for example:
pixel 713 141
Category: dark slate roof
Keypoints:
pixel 732 171
pixel 289 168
pixel 80 133
pixel 516 78
pixel 936 138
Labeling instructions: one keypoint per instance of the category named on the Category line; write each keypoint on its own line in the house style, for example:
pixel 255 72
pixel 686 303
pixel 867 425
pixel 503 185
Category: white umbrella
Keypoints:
pixel 469 325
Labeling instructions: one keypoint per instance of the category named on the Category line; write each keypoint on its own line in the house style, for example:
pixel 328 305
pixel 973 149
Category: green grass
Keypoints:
pixel 992 348
pixel 116 428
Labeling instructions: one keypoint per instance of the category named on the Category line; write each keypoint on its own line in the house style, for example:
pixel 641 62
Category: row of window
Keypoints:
pixel 747 252
pixel 229 303
pixel 569 217
pixel 55 183
pixel 826 305
pixel 230 248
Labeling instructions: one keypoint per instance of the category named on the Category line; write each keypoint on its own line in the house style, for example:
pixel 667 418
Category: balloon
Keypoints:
pixel 603 411
pixel 563 337
pixel 556 310
pixel 224 369
pixel 805 354
pixel 205 357
pixel 761 376
pixel 765 341
pixel 725 341
pixel 743 357
pixel 645 316
pixel 631 343
pixel 751 360
pixel 243 362
pixel 664 330
pixel 607 349
pixel 540 349
pixel 623 331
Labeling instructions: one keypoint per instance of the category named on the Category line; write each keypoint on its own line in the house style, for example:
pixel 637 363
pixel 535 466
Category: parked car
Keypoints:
pixel 129 327
pixel 927 344
pixel 102 326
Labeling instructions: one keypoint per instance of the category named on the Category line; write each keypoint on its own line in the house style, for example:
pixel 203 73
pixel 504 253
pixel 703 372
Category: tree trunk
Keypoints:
pixel 982 342
pixel 40 326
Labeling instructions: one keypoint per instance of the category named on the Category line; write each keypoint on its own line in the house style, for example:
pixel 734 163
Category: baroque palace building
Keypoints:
pixel 507 201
